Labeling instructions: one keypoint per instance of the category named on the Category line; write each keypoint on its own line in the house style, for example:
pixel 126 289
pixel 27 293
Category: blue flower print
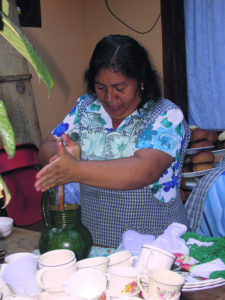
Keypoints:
pixel 170 184
pixel 165 172
pixel 179 129
pixel 83 97
pixel 59 130
pixel 182 144
pixel 109 129
pixel 145 139
pixel 166 140
pixel 94 107
pixel 72 111
pixel 156 188
pixel 166 123
pixel 175 165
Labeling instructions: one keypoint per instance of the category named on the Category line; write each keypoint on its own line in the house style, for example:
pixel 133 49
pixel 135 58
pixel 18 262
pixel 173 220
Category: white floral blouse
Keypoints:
pixel 166 134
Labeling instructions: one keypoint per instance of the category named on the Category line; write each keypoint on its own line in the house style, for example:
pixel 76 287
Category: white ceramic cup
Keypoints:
pixel 161 284
pixel 20 276
pixel 151 258
pixel 89 284
pixel 99 262
pixel 55 267
pixel 122 281
pixel 121 258
pixel 12 257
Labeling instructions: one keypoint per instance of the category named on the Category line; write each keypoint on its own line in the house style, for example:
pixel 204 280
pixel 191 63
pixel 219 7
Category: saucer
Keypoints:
pixel 126 298
pixel 174 298
pixel 123 297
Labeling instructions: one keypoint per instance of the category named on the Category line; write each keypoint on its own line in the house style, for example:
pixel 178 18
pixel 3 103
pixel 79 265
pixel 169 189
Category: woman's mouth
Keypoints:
pixel 114 108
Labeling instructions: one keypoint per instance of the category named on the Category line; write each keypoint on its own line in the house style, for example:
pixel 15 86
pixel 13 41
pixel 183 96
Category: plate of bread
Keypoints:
pixel 205 150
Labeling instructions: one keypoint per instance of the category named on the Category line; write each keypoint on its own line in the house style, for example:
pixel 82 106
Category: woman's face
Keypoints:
pixel 118 94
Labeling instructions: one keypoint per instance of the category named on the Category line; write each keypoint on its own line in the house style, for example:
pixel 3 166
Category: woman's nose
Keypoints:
pixel 111 95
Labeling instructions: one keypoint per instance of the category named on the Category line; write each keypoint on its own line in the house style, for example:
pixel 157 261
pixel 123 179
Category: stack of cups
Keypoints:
pixel 157 281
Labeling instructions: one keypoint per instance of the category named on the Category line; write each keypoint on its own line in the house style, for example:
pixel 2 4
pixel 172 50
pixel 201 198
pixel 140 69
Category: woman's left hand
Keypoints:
pixel 57 172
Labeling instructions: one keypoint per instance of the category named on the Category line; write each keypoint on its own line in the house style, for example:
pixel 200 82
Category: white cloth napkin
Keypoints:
pixel 205 269
pixel 192 241
pixel 171 240
pixel 133 241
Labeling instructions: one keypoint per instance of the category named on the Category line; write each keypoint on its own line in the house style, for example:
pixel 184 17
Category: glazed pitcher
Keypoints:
pixel 64 229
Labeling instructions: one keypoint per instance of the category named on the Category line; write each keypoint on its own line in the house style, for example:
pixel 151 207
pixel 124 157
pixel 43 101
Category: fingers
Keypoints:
pixel 72 146
pixel 46 179
pixel 57 171
pixel 53 158
pixel 67 140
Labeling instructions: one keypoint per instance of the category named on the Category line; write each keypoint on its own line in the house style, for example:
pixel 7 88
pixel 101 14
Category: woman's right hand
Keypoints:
pixel 59 171
pixel 71 146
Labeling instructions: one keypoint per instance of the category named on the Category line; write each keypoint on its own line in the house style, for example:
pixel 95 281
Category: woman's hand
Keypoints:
pixel 71 146
pixel 60 170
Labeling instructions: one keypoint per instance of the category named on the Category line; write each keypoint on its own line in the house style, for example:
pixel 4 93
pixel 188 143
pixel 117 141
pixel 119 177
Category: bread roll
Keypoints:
pixel 221 136
pixel 199 134
pixel 201 144
pixel 213 136
pixel 202 157
pixel 192 127
pixel 202 167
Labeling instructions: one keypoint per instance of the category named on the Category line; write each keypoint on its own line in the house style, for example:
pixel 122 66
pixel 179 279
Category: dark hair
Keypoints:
pixel 124 54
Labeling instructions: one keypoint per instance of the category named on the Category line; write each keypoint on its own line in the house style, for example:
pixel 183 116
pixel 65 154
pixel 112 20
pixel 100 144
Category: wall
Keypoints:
pixel 60 42
pixel 69 32
pixel 139 14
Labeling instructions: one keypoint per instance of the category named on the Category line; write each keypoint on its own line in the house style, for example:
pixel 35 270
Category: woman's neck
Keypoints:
pixel 116 123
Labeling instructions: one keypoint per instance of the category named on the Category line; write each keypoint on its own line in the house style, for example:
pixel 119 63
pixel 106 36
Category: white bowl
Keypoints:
pixel 6 226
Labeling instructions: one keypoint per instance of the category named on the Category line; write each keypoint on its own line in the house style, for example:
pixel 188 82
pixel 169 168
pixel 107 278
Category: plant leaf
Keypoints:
pixel 18 40
pixel 6 132
pixel 5 7
pixel 3 187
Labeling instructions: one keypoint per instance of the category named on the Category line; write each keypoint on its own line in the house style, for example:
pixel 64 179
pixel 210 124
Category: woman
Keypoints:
pixel 132 141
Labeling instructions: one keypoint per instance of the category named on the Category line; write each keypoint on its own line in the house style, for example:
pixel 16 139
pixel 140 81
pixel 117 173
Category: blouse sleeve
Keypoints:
pixel 70 125
pixel 166 133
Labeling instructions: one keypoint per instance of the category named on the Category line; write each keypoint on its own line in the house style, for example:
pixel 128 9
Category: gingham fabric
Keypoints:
pixel 108 213
pixel 195 203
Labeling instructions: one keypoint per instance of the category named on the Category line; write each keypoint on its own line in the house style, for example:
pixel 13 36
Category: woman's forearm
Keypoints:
pixel 142 169
pixel 125 173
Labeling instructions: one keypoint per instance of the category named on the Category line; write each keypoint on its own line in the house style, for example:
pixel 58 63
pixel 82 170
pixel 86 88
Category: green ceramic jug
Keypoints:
pixel 64 229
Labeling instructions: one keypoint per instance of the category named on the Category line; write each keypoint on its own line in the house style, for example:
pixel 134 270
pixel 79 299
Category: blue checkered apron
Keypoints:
pixel 108 213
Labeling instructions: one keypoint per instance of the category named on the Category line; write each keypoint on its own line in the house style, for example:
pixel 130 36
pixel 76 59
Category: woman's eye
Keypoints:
pixel 100 87
pixel 119 89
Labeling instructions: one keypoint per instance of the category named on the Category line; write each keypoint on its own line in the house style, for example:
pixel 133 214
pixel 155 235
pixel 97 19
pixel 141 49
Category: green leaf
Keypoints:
pixel 166 123
pixel 5 7
pixel 6 132
pixel 18 40
pixel 3 187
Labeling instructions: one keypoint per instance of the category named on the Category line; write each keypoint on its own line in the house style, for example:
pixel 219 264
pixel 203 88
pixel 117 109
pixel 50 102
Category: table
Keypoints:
pixel 27 240
pixel 21 240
